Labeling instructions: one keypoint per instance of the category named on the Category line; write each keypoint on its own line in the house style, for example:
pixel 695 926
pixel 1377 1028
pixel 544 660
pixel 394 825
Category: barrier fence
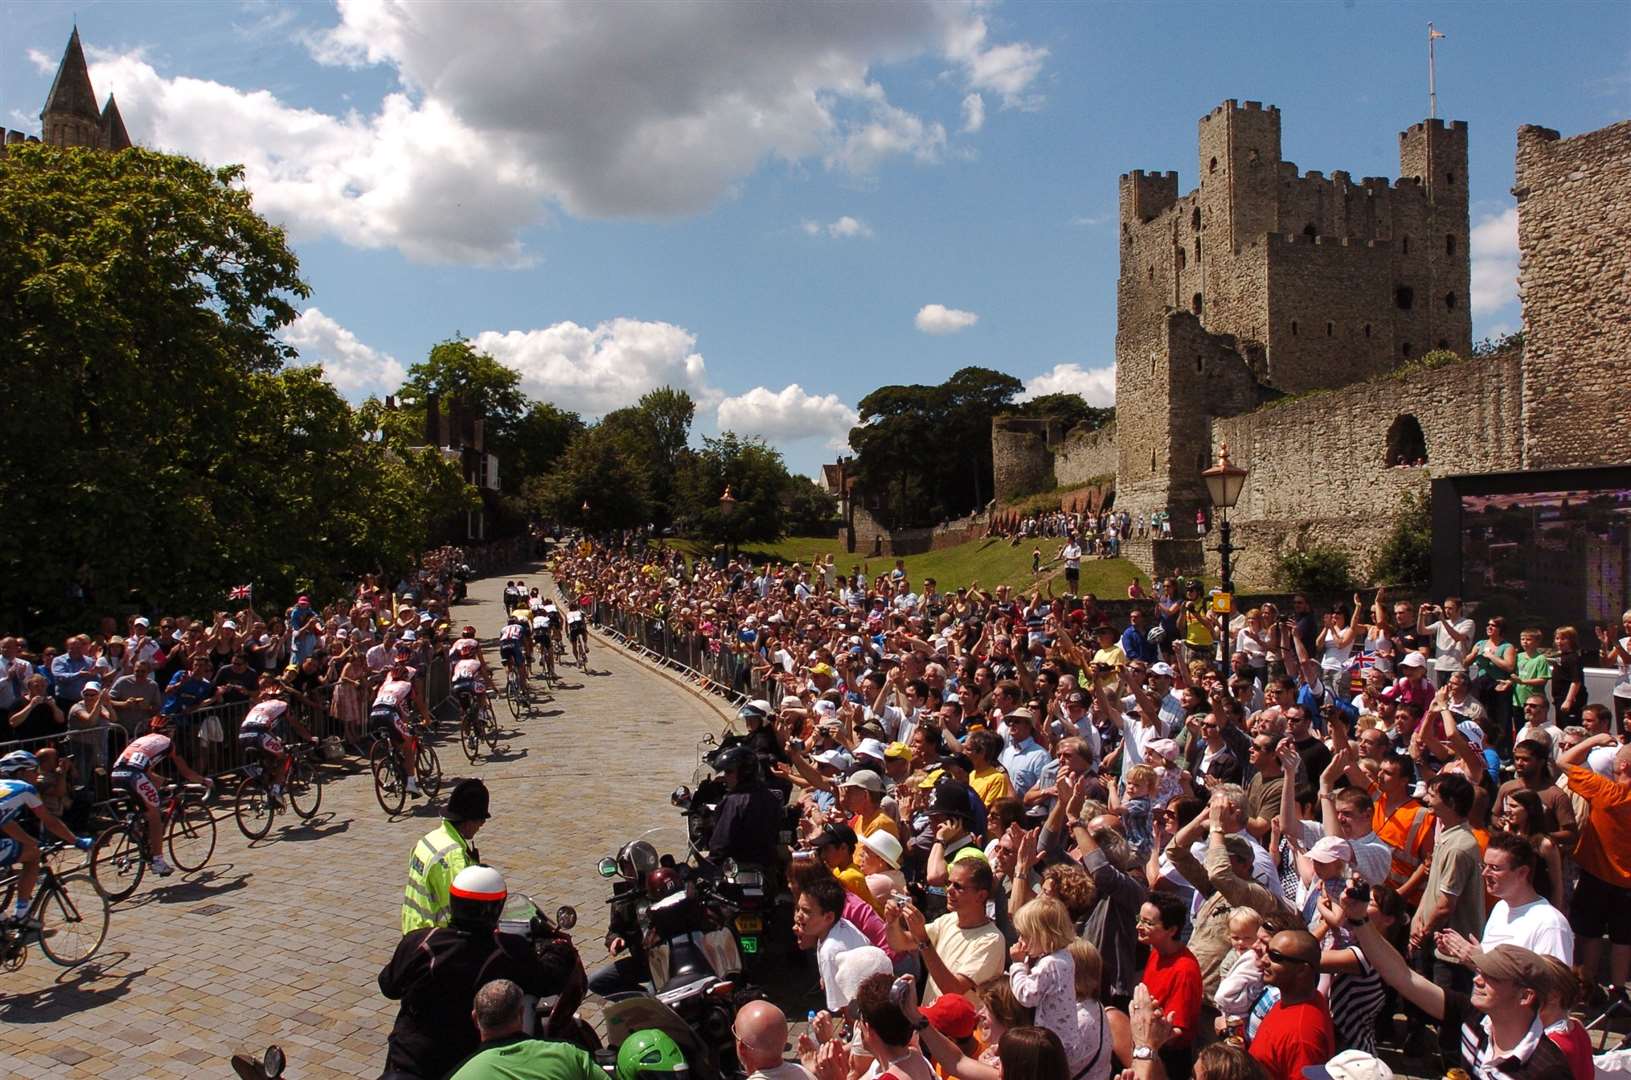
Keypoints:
pixel 719 668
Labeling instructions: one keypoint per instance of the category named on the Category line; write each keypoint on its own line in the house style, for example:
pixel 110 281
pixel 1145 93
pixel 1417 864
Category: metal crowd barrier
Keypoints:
pixel 713 662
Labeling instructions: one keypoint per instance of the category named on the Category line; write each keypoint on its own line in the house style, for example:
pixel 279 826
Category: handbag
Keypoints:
pixel 1094 1060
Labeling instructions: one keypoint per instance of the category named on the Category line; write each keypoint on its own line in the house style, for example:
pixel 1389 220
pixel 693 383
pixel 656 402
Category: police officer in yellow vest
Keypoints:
pixel 441 854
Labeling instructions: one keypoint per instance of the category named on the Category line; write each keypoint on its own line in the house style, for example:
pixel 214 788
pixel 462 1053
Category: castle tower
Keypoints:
pixel 1434 154
pixel 114 136
pixel 1239 168
pixel 70 116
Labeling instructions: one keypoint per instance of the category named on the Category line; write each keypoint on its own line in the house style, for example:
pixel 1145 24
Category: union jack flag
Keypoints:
pixel 240 592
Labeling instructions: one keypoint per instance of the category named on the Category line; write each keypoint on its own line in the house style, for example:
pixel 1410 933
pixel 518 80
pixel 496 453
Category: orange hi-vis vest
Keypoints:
pixel 1407 829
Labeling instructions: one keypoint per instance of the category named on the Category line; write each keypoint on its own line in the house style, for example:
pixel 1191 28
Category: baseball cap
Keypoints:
pixel 1513 963
pixel 821 669
pixel 409 635
pixel 228 624
pixel 92 687
pixel 1162 668
pixel 1472 732
pixel 302 599
pixel 1348 1065
pixel 1330 849
pixel 897 750
pixel 1020 716
pixel 1166 748
pixel 952 1016
pixel 864 778
pixel 141 620
pixel 885 845
pixel 835 759
pixel 1413 659
pixel 872 748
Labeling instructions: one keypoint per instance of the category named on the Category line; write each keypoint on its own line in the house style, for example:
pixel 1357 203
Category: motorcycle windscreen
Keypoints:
pixel 638 1013
pixel 718 948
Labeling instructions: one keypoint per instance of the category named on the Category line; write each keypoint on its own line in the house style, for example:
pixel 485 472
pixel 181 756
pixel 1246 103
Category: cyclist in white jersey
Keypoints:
pixel 19 772
pixel 262 733
pixel 389 716
pixel 130 775
pixel 466 664
pixel 512 647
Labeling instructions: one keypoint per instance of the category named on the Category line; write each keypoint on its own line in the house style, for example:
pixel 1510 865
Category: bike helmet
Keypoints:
pixel 18 761
pixel 663 881
pixel 651 1055
pixel 160 722
pixel 476 898
pixel 752 711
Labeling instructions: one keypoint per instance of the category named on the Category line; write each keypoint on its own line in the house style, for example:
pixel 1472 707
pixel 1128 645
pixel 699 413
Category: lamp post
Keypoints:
pixel 1223 483
pixel 727 506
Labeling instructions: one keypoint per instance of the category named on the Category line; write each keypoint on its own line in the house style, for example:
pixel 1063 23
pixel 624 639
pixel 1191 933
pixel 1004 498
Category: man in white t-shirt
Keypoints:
pixel 1521 916
pixel 963 949
pixel 1072 554
pixel 1452 637
pixel 819 924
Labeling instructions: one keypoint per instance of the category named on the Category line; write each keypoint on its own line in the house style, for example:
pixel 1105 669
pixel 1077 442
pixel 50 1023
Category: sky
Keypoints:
pixel 780 206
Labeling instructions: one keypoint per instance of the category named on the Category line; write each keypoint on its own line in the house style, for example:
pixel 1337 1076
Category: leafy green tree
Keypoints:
pixel 542 436
pixel 455 370
pixel 757 479
pixel 139 294
pixel 1071 410
pixel 1406 556
pixel 595 485
pixel 653 435
pixel 808 508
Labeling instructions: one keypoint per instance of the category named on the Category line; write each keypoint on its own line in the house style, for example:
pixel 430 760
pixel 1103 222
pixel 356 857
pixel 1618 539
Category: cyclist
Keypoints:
pixel 131 773
pixel 522 614
pixel 389 716
pixel 262 734
pixel 19 772
pixel 542 636
pixel 577 629
pixel 467 665
pixel 557 626
pixel 512 647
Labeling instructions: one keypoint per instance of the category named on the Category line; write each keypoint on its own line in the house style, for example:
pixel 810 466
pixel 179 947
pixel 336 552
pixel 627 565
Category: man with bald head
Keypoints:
pixel 507 1053
pixel 761 1043
pixel 1297 1031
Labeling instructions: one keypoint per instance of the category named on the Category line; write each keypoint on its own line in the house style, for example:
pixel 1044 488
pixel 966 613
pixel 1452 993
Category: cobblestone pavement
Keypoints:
pixel 281 941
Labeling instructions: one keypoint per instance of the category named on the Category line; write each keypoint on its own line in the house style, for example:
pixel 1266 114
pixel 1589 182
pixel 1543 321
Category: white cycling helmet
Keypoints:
pixel 476 897
pixel 18 761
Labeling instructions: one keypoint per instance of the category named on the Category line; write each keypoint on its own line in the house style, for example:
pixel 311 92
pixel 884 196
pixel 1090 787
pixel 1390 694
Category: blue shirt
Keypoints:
pixel 186 692
pixel 1137 646
pixel 1024 763
pixel 15 797
pixel 69 676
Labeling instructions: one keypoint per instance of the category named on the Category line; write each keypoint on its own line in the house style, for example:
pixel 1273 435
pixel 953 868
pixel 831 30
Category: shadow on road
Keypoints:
pixel 87 986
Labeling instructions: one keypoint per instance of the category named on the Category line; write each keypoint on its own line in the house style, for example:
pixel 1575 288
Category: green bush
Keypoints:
pixel 1320 569
pixel 1406 557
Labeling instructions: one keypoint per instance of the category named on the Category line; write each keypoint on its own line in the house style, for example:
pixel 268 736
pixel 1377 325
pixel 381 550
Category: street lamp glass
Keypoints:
pixel 1224 481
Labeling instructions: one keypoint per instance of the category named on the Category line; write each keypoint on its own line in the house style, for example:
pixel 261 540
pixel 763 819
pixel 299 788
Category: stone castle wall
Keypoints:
pixel 1085 455
pixel 1320 466
pixel 1574 236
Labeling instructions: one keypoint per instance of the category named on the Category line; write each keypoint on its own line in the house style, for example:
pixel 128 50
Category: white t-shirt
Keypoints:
pixel 1072 555
pixel 1622 684
pixel 787 1070
pixel 840 939
pixel 1537 926
pixel 1448 653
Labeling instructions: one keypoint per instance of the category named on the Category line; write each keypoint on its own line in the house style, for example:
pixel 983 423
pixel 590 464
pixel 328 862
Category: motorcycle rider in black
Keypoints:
pixel 436 972
pixel 750 816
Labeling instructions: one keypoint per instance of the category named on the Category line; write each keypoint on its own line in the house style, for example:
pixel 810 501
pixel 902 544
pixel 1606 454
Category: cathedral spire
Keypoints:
pixel 71 93
pixel 114 135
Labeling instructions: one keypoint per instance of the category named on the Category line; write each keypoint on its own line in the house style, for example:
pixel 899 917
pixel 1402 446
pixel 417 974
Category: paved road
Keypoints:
pixel 281 942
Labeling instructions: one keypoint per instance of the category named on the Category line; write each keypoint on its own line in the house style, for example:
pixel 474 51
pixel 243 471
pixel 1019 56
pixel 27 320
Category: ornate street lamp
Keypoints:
pixel 727 506
pixel 1223 484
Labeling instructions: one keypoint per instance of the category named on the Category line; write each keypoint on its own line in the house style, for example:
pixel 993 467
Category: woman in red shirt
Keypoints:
pixel 1173 977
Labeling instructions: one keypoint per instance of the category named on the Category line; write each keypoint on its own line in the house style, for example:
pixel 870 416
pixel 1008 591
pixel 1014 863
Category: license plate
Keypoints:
pixel 749 924
pixel 750 945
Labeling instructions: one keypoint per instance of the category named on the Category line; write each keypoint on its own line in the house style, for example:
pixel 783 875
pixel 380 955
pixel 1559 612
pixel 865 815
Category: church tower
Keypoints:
pixel 70 116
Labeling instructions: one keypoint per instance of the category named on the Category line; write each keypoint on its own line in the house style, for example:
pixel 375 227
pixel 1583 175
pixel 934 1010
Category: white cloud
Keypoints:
pixel 355 369
pixel 1090 219
pixel 1494 248
pixel 973 113
pixel 787 415
pixel 1097 386
pixel 940 319
pixel 594 371
pixel 504 113
pixel 845 228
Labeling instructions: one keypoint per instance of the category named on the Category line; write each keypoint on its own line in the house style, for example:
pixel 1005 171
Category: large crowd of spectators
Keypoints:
pixel 1090 834
pixel 76 705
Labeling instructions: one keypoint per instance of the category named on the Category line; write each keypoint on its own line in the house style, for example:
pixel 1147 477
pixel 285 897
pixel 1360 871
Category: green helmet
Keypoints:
pixel 651 1055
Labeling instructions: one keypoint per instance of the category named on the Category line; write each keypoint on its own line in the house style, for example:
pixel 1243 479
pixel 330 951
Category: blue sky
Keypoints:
pixel 781 207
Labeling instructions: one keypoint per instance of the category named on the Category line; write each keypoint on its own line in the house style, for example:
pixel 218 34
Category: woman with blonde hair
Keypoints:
pixel 1043 974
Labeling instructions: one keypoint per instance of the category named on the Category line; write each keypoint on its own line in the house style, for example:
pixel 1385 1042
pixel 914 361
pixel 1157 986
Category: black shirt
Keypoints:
pixel 1462 1038
pixel 749 826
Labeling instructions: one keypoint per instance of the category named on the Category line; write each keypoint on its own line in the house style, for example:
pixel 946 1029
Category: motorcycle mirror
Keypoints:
pixel 681 797
pixel 729 868
pixel 607 867
pixel 273 1062
pixel 566 917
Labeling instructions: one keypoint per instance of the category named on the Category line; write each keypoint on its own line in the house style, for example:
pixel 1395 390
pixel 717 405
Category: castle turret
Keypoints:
pixel 114 135
pixel 1239 167
pixel 1434 155
pixel 70 116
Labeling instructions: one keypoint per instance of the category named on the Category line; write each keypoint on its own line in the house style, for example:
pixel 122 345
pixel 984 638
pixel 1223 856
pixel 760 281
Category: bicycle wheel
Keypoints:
pixel 390 786
pixel 489 729
pixel 254 809
pixel 192 836
pixel 430 771
pixel 304 789
pixel 73 916
pixel 470 733
pixel 117 861
pixel 512 696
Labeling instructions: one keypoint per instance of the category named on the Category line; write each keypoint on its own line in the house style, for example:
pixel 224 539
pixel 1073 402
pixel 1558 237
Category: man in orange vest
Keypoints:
pixel 1403 824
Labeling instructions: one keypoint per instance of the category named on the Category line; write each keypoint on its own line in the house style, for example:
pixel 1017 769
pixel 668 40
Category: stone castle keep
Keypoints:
pixel 71 116
pixel 1286 313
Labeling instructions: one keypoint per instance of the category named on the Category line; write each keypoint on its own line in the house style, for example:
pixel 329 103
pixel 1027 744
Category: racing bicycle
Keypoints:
pixel 477 724
pixel 71 911
pixel 391 774
pixel 120 855
pixel 255 807
pixel 515 692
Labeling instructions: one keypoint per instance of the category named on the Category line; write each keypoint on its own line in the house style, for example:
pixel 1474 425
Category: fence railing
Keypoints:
pixel 712 662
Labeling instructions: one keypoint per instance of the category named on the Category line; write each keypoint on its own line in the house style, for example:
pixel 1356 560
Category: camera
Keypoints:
pixel 796 745
pixel 1360 890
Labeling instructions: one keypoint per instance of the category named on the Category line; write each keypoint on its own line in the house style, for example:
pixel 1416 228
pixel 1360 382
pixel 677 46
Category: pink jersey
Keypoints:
pixel 466 668
pixel 144 753
pixel 465 646
pixel 266 716
pixel 395 691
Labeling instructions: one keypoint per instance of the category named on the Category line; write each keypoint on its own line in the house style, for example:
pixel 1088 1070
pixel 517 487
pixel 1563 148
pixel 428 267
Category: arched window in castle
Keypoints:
pixel 1310 231
pixel 1404 297
pixel 1330 329
pixel 1293 327
pixel 1195 215
pixel 1449 179
pixel 1449 301
pixel 1443 344
pixel 1195 303
pixel 1212 166
pixel 1406 444
pixel 1152 461
pixel 1183 258
pixel 1200 365
pixel 1367 330
pixel 1404 350
pixel 1449 243
pixel 1406 248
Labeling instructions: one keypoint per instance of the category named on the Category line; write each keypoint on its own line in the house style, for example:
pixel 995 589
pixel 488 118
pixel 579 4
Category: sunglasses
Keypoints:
pixel 1283 958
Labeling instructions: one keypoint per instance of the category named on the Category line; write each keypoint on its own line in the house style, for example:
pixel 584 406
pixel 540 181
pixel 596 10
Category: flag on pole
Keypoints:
pixel 1432 34
pixel 240 592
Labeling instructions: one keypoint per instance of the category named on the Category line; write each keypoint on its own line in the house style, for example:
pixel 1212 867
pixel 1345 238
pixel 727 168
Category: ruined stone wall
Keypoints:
pixel 1319 464
pixel 1574 235
pixel 1021 455
pixel 1083 455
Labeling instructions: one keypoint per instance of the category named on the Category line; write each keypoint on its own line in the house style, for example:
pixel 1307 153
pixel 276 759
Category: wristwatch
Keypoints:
pixel 1355 923
pixel 922 1022
pixel 1142 1053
